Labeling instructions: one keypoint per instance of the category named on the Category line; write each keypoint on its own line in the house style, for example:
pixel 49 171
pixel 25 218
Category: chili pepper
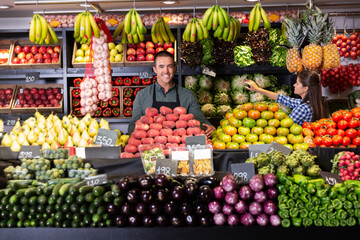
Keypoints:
pixel 321 193
pixel 285 222
pixel 135 80
pixel 128 102
pixel 310 188
pixel 246 20
pixel 104 104
pixel 146 81
pixel 76 102
pixel 107 112
pixel 317 182
pixel 333 193
pixel 350 212
pixel 136 91
pixel 119 81
pixel 325 200
pixel 290 203
pixel 356 204
pixel 299 204
pixel 114 102
pixel 303 213
pixel 77 112
pixel 313 215
pixel 76 93
pixel 282 188
pixel 331 215
pixel 296 222
pixel 306 222
pixel 315 200
pixel 294 212
pixel 115 92
pixel 348 204
pixel 283 213
pixel 326 223
pixel 282 198
pixel 282 206
pixel 98 112
pixel 341 198
pixel 337 204
pixel 300 179
pixel 351 222
pixel 341 214
pixel 352 183
pixel 334 223
pixel 128 92
pixel 77 82
pixel 351 196
pixel 305 197
pixel 357 213
pixel 116 112
pixel 128 112
pixel 309 206
pixel 343 223
pixel 323 215
pixel 318 222
pixel 127 81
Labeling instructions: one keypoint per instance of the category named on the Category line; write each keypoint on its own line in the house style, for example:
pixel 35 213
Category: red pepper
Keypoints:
pixel 116 112
pixel 127 81
pixel 76 103
pixel 154 79
pixel 128 92
pixel 146 81
pixel 119 81
pixel 115 92
pixel 246 20
pixel 106 112
pixel 128 112
pixel 136 91
pixel 77 82
pixel 76 93
pixel 104 104
pixel 98 112
pixel 128 102
pixel 77 112
pixel 114 102
pixel 136 80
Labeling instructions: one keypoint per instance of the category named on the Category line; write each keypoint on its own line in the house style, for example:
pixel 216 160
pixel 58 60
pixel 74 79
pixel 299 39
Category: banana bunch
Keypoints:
pixel 84 26
pixel 230 33
pixel 161 33
pixel 134 29
pixel 256 14
pixel 217 19
pixel 195 31
pixel 41 32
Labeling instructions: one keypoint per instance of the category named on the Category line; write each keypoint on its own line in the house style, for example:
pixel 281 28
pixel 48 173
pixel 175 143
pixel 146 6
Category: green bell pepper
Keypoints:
pixel 333 193
pixel 351 196
pixel 296 221
pixel 284 214
pixel 285 222
pixel 283 206
pixel 350 212
pixel 348 204
pixel 357 213
pixel 334 223
pixel 294 212
pixel 327 223
pixel 343 223
pixel 294 195
pixel 341 214
pixel 305 197
pixel 337 204
pixel 307 222
pixel 283 198
pixel 329 207
pixel 303 213
pixel 310 206
pixel 341 197
pixel 356 204
pixel 282 188
pixel 323 215
pixel 357 190
pixel 319 182
pixel 318 222
pixel 317 208
pixel 294 188
pixel 352 183
pixel 313 215
pixel 282 177
pixel 331 215
pixel 320 193
pixel 300 179
pixel 290 203
pixel 299 204
pixel 351 221
pixel 325 200
pixel 315 200
pixel 310 188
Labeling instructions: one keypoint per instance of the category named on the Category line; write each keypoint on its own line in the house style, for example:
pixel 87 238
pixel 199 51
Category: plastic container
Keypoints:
pixel 202 160
pixel 149 154
pixel 182 156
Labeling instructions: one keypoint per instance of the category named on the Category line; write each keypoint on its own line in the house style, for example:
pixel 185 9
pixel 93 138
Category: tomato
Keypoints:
pixel 251 137
pixel 281 131
pixel 351 133
pixel 244 145
pixel 270 130
pixel 228 115
pixel 280 139
pixel 356 112
pixel 330 131
pixel 307 125
pixel 243 130
pixel 257 130
pixel 230 130
pixel 260 106
pixel 266 138
pixel 254 114
pixel 347 116
pixel 273 107
pixel 289 146
pixel 356 141
pixel 337 116
pixel 274 123
pixel 247 106
pixel 235 122
pixel 310 141
pixel 307 132
pixel 331 124
pixel 327 141
pixel 219 131
pixel 340 132
pixel 353 123
pixel 286 122
pixel 300 146
pixel 315 126
pixel 318 140
pixel 258 142
pixel 219 145
pixel 261 123
pixel 238 138
pixel 337 140
pixel 295 129
pixel 239 114
pixel 232 145
pixel 280 115
pixel 346 141
pixel 295 138
pixel 320 132
pixel 225 138
pixel 342 124
pixel 224 122
pixel 267 115
pixel 249 122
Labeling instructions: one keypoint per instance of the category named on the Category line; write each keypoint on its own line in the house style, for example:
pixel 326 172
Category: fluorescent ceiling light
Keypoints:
pixel 2 6
pixel 252 0
pixel 168 2
pixel 85 5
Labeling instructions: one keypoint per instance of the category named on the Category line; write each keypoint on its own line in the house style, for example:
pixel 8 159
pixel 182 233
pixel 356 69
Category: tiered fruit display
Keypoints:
pixel 341 78
pixel 258 123
pixel 38 97
pixel 161 33
pixel 348 47
pixel 116 52
pixel 146 51
pixel 338 131
pixel 134 81
pixel 167 127
pixel 84 54
pixel 5 97
pixel 347 165
pixel 84 27
pixel 41 32
pixel 256 15
pixel 35 54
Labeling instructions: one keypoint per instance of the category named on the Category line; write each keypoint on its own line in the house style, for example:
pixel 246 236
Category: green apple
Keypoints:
pixel 79 53
pixel 118 57
pixel 112 59
pixel 119 47
pixel 84 46
pixel 79 59
pixel 113 52
pixel 88 52
pixel 111 45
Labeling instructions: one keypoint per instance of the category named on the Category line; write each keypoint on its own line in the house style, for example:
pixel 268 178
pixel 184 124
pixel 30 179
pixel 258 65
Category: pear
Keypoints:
pixel 83 143
pixel 69 143
pixel 87 119
pixel 85 135
pixel 31 137
pixel 105 126
pixel 41 125
pixel 93 128
pixel 61 138
pixel 82 127
pixel 119 133
pixel 73 130
pixel 17 127
pixel 26 129
pixel 34 144
pixel 31 122
pixel 13 136
pixel 7 140
pixel 55 118
pixel 52 132
pixel 40 138
pixel 21 138
pixel 124 138
pixel 15 146
pixel 50 117
pixel 26 143
pixel 41 119
pixel 37 114
pixel 76 138
pixel 50 137
pixel 49 124
pixel 45 145
pixel 37 130
pixel 65 122
pixel 75 121
pixel 55 145
pixel 102 122
pixel 57 125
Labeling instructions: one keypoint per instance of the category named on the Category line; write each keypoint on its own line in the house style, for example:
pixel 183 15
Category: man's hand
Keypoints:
pixel 209 130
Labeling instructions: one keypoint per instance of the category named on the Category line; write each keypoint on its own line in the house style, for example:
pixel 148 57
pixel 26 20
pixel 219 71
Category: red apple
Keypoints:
pixel 141 45
pixel 28 97
pixel 42 49
pixel 31 60
pixel 33 91
pixel 39 60
pixel 49 91
pixel 31 101
pixel 150 57
pixel 149 44
pixel 41 105
pixel 157 45
pixel 55 55
pixel 48 60
pixel 38 56
pixel 26 105
pixel 22 101
pixel 159 49
pixel 2 97
pixel 23 61
pixel 34 50
pixel 131 58
pixel 21 55
pixel 34 105
pixel 58 96
pixel 150 51
pixel 140 57
pixel 140 51
pixel 29 56
pixel 54 60
pixel 168 45
pixel 57 105
pixel 171 50
pixel 15 61
pixel 18 49
pixel 131 45
pixel 8 96
pixel 41 91
pixel 8 91
pixel 45 102
pixel 57 49
pixel 46 56
pixel 26 91
pixel 49 105
pixel 50 49
pixel 36 96
pixel 50 97
pixel 20 96
pixel 38 102
pixel 2 91
pixel 43 97
pixel 131 51
pixel 56 90
pixel 54 101
pixel 26 49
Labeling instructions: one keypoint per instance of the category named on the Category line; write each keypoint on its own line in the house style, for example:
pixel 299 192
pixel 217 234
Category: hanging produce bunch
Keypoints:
pixel 341 78
pixel 84 27
pixel 161 33
pixel 348 47
pixel 41 32
pixel 256 15
pixel 218 20
pixel 195 31
pixel 347 165
pixel 134 28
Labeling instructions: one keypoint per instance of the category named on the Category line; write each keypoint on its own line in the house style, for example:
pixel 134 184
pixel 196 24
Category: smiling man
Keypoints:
pixel 164 92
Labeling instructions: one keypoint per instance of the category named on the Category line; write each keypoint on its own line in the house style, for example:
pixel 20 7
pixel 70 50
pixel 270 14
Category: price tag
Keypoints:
pixel 10 120
pixel 243 172
pixel 196 140
pixel 207 71
pixel 96 180
pixel 106 137
pixel 166 166
pixel 29 152
pixel 32 76
pixel 255 149
pixel 278 147
pixel 330 178
pixel 145 75
pixel 80 152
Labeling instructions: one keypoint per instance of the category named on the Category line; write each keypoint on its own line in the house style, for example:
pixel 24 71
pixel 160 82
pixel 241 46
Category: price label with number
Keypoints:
pixel 255 149
pixel 243 172
pixel 106 137
pixel 145 75
pixel 32 76
pixel 10 120
pixel 330 178
pixel 278 147
pixel 196 140
pixel 166 166
pixel 29 152
pixel 96 180
pixel 208 71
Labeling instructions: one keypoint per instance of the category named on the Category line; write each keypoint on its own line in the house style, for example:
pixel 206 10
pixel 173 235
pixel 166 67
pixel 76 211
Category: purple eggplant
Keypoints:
pixel 228 182
pixel 206 220
pixel 121 220
pixel 219 219
pixel 146 196
pixel 275 220
pixel 191 220
pixel 270 207
pixel 141 208
pixel 247 219
pixel 255 208
pixel 163 195
pixel 241 207
pixel 214 207
pixel 270 179
pixel 205 193
pixel 133 195
pixel 161 180
pixel 134 220
pixel 186 208
pixel 245 193
pixel 228 209
pixel 233 220
pixel 219 193
pixel 201 208
pixel 231 197
pixel 124 184
pixel 154 208
pixel 170 208
pixel 161 220
pixel 177 193
pixel 191 190
pixel 262 219
pixel 272 192
pixel 190 180
pixel 260 196
pixel 146 182
pixel 210 181
pixel 177 221
pixel 257 183
pixel 127 209
pixel 148 221
pixel 111 208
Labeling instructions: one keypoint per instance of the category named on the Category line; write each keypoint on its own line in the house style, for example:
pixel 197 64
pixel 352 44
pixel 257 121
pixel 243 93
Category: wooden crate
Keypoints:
pixel 39 109
pixel 6 44
pixel 82 65
pixel 122 107
pixel 26 42
pixel 8 109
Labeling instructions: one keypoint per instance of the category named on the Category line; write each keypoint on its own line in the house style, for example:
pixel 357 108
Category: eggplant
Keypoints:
pixel 205 193
pixel 190 180
pixel 146 196
pixel 111 208
pixel 141 208
pixel 161 220
pixel 205 220
pixel 134 220
pixel 124 184
pixel 177 221
pixel 208 180
pixel 191 190
pixel 146 181
pixel 186 208
pixel 191 220
pixel 161 180
pixel 177 193
pixel 127 209
pixel 201 208
pixel 133 195
pixel 154 208
pixel 121 220
pixel 170 207
pixel 163 195
pixel 148 221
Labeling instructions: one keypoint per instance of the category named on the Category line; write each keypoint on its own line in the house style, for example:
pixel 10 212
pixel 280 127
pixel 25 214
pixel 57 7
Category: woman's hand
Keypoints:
pixel 209 130
pixel 252 86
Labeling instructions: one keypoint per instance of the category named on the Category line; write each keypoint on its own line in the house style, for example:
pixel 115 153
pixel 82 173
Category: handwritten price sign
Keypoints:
pixel 243 172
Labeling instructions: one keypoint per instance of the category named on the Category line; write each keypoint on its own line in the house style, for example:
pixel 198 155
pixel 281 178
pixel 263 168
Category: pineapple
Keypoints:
pixel 295 37
pixel 314 23
pixel 331 56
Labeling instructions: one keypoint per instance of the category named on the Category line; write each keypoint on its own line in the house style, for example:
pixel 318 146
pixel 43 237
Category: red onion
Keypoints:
pixel 231 197
pixel 233 220
pixel 228 209
pixel 260 196
pixel 275 220
pixel 255 208
pixel 228 182
pixel 262 219
pixel 245 193
pixel 247 219
pixel 270 179
pixel 241 207
pixel 219 219
pixel 214 207
pixel 272 192
pixel 256 183
pixel 270 207
pixel 219 193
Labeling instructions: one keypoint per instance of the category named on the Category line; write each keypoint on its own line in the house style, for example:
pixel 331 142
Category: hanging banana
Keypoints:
pixel 41 32
pixel 195 31
pixel 217 19
pixel 161 32
pixel 256 14
pixel 134 26
pixel 84 27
